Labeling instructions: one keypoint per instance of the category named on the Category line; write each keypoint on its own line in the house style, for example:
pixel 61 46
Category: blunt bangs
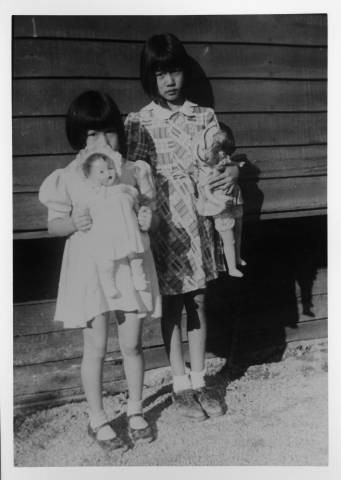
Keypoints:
pixel 93 110
pixel 163 53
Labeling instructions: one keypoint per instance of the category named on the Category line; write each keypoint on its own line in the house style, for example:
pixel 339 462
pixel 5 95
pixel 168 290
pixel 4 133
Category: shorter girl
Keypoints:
pixel 115 232
pixel 94 121
pixel 224 204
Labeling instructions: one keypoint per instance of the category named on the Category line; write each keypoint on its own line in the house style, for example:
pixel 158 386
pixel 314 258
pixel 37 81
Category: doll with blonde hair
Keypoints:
pixel 225 205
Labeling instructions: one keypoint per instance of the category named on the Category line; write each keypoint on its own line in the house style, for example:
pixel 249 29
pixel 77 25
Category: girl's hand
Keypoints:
pixel 81 219
pixel 224 179
pixel 144 218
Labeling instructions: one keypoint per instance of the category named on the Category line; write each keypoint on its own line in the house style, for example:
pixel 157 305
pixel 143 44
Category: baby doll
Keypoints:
pixel 115 233
pixel 224 205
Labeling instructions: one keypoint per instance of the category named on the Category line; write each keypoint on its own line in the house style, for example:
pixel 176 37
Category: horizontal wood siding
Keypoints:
pixel 268 29
pixel 264 74
pixel 266 77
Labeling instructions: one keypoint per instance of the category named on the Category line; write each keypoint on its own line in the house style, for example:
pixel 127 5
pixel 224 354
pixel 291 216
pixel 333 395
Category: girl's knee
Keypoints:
pixel 131 349
pixel 95 350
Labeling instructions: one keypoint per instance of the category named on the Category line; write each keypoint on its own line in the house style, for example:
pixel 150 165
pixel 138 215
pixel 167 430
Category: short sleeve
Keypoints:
pixel 211 119
pixel 53 193
pixel 139 143
pixel 145 182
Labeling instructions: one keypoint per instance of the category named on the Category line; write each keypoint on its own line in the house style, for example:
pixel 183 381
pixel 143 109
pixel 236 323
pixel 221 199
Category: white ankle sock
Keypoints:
pixel 181 382
pixel 134 406
pixel 197 379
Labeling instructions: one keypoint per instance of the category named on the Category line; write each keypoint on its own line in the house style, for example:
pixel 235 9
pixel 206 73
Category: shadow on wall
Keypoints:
pixel 199 88
pixel 251 314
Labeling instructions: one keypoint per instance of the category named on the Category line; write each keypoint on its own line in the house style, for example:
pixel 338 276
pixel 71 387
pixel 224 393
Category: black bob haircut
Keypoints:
pixel 163 53
pixel 94 110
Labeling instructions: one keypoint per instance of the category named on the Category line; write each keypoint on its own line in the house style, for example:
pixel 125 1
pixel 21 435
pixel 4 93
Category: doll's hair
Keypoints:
pixel 228 144
pixel 86 165
pixel 163 53
pixel 93 110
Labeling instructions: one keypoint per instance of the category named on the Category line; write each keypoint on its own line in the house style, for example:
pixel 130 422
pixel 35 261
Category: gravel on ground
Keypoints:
pixel 277 414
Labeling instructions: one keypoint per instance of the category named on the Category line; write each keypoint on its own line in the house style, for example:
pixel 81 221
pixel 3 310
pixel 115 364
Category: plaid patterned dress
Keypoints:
pixel 184 243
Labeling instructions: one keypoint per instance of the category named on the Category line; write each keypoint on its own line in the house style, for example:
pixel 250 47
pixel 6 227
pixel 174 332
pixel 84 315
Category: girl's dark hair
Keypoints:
pixel 163 53
pixel 93 110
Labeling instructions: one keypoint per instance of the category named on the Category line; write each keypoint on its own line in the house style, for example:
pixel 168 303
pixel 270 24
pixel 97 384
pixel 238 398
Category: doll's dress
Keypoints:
pixel 224 199
pixel 115 232
pixel 80 293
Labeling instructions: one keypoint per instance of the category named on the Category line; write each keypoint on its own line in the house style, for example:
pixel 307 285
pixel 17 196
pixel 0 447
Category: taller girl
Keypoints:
pixel 162 133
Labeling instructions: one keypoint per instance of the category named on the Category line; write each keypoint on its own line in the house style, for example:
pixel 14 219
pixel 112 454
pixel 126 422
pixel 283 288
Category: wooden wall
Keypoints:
pixel 267 79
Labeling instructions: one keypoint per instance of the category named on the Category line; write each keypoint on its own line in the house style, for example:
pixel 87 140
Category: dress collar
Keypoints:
pixel 165 113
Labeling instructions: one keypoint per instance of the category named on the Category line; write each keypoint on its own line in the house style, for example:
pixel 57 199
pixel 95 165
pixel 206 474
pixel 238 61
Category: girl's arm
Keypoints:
pixel 80 220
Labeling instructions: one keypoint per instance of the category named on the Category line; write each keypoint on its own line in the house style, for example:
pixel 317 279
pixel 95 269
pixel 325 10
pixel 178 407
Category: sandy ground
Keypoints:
pixel 277 414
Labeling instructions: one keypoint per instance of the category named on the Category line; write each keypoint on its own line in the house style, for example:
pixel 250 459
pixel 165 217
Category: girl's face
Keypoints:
pixel 170 85
pixel 99 139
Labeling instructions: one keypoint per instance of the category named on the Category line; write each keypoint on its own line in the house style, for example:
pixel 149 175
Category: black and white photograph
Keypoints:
pixel 202 140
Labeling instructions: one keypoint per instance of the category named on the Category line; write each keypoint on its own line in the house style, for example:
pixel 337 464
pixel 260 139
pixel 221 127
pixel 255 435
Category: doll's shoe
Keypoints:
pixel 144 434
pixel 110 444
pixel 241 262
pixel 236 273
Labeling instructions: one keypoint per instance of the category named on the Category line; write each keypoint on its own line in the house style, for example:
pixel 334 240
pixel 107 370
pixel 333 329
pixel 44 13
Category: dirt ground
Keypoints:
pixel 277 414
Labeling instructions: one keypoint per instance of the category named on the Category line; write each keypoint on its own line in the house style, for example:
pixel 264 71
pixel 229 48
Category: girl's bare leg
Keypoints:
pixel 130 339
pixel 95 344
pixel 172 306
pixel 196 330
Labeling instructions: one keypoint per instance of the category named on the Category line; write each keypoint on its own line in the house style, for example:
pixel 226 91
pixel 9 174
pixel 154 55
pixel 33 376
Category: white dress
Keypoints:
pixel 80 294
pixel 115 231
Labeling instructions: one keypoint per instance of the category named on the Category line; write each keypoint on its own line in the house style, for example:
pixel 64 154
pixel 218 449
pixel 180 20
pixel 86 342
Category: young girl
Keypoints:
pixel 94 120
pixel 225 205
pixel 162 133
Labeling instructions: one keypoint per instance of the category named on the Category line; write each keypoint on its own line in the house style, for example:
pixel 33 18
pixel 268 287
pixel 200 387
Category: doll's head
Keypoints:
pixel 215 146
pixel 102 167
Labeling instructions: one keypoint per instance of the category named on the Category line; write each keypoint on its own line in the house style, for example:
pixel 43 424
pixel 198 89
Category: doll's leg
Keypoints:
pixel 106 270
pixel 238 227
pixel 139 277
pixel 224 226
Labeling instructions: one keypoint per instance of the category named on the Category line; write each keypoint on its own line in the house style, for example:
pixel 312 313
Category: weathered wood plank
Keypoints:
pixel 37 317
pixel 26 404
pixel 268 195
pixel 255 341
pixel 38 97
pixel 46 135
pixel 29 172
pixel 300 29
pixel 67 344
pixel 58 58
pixel 52 376
pixel 43 234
